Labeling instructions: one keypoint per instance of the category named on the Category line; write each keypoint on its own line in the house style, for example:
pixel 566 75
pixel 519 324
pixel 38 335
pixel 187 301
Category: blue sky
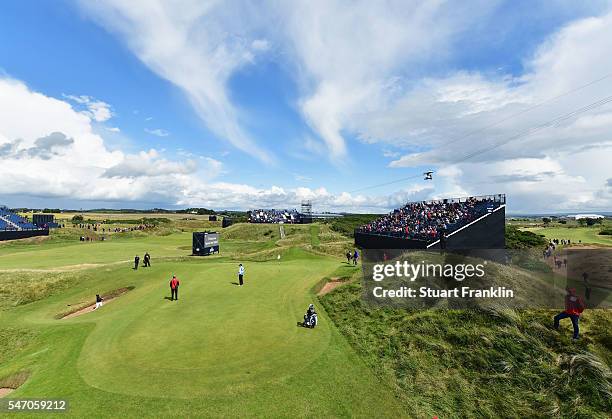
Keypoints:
pixel 245 104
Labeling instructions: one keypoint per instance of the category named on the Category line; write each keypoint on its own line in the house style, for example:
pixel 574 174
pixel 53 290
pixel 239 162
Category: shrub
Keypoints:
pixel 517 239
pixel 346 225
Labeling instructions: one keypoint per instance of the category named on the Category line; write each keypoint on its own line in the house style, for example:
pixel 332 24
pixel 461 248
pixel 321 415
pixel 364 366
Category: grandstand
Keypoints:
pixel 11 221
pixel 476 222
pixel 14 226
pixel 274 216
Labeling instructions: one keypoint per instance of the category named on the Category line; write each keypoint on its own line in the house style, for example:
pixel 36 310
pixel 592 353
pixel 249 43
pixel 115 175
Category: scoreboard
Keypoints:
pixel 205 243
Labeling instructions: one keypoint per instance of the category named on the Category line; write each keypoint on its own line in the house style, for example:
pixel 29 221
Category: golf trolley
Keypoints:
pixel 310 318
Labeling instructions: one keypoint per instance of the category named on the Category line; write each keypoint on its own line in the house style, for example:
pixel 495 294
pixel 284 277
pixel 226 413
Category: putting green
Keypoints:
pixel 216 336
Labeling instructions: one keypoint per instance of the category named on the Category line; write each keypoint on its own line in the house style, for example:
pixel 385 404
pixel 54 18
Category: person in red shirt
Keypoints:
pixel 174 285
pixel 574 306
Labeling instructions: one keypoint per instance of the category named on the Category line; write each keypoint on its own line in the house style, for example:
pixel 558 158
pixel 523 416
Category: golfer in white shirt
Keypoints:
pixel 240 274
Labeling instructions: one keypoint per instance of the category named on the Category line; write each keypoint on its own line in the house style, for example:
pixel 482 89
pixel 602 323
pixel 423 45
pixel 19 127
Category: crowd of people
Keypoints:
pixel 100 228
pixel 427 220
pixel 91 239
pixel 552 246
pixel 273 216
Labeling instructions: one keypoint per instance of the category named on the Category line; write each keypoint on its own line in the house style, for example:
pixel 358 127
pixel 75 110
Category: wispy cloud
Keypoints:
pixel 157 132
pixel 97 110
pixel 301 178
pixel 196 46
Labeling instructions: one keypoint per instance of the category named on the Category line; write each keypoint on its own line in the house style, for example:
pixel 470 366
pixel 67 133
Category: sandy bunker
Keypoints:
pixel 107 298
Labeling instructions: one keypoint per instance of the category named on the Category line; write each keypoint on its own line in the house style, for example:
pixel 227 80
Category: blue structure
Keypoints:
pixel 14 226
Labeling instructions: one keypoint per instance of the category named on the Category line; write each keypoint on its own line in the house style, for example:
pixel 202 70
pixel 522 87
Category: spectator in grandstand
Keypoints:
pixel 136 262
pixel 174 286
pixel 240 274
pixel 274 216
pixel 574 306
pixel 425 220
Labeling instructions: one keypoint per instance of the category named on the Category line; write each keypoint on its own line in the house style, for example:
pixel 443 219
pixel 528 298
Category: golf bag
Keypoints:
pixel 310 318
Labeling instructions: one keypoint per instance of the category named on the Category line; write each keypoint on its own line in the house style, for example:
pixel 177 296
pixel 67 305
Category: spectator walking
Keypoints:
pixel 348 257
pixel 136 262
pixel 174 286
pixel 574 306
pixel 240 274
pixel 355 257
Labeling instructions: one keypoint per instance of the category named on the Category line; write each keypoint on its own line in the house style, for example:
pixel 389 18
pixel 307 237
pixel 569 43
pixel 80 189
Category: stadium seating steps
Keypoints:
pixel 426 220
pixel 11 221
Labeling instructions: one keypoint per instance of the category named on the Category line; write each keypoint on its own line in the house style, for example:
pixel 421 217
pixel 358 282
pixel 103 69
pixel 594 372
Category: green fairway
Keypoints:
pixel 220 350
pixel 585 235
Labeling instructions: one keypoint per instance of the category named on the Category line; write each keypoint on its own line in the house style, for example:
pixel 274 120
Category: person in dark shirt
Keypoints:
pixel 147 260
pixel 136 262
pixel 98 301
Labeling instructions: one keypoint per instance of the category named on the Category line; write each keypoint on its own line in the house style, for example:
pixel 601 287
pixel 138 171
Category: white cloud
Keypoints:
pixel 157 132
pixel 351 57
pixel 195 45
pixel 50 150
pixel 96 109
pixel 113 129
pixel 260 45
pixel 148 164
pixel 355 66
pixel 561 166
pixel 347 58
pixel 301 178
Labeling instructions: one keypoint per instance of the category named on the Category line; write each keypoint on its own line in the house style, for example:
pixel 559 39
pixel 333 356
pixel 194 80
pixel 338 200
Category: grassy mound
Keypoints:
pixel 482 364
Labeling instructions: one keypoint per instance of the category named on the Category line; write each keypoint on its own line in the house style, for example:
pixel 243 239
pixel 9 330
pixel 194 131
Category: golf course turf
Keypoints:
pixel 219 350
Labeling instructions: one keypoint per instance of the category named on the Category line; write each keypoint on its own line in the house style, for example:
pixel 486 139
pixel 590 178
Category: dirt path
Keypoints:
pixel 5 390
